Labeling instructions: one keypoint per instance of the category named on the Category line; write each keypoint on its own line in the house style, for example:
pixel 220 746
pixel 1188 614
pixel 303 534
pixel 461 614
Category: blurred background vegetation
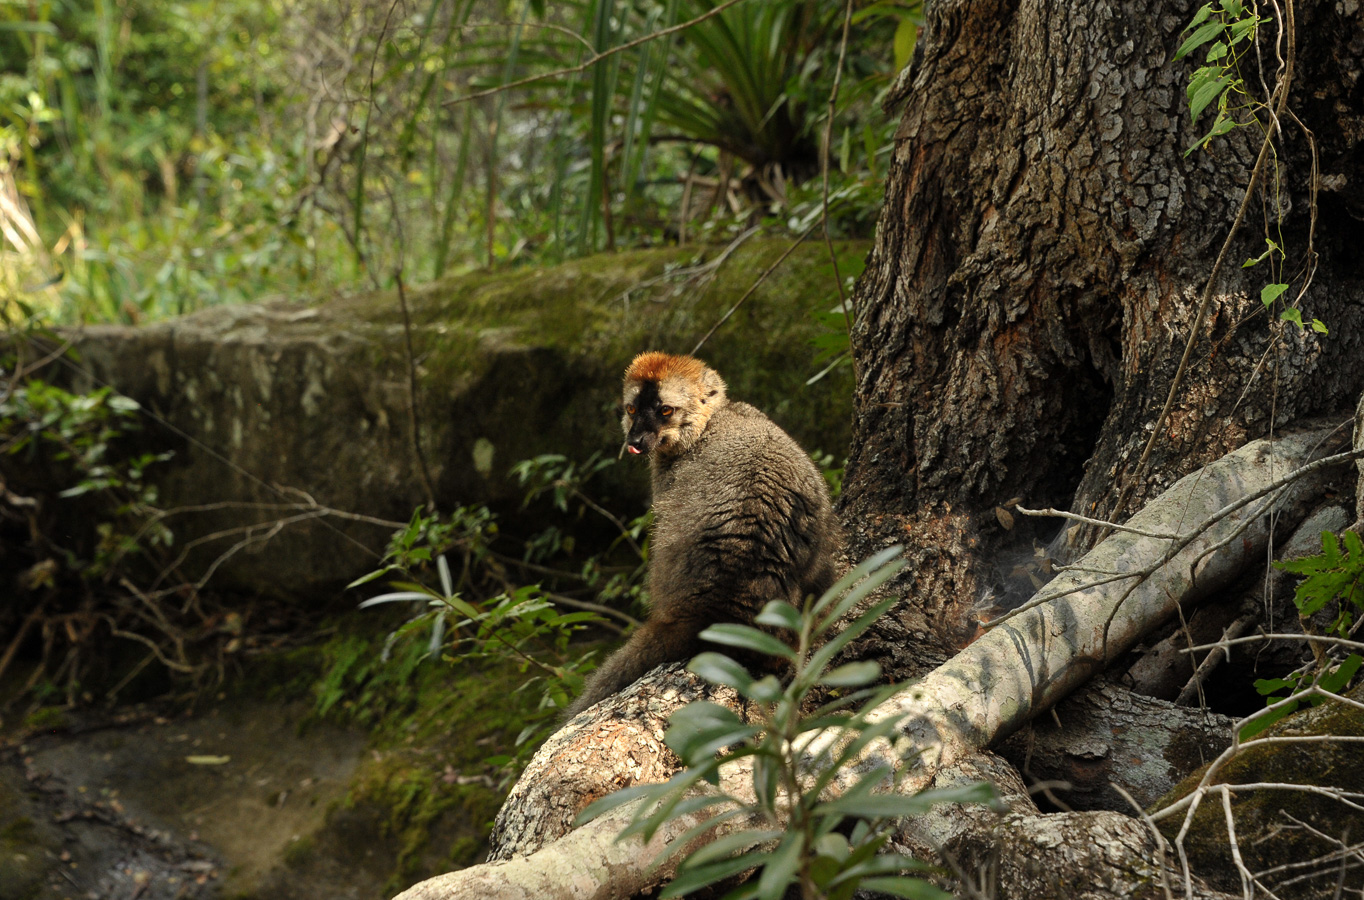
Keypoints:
pixel 159 156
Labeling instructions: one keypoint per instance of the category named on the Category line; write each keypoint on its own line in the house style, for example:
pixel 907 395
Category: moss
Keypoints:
pixel 46 718
pixel 20 830
pixel 1264 834
pixel 300 852
pixel 423 787
pixel 580 310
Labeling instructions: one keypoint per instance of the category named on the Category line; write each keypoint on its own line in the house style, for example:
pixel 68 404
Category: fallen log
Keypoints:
pixel 1195 538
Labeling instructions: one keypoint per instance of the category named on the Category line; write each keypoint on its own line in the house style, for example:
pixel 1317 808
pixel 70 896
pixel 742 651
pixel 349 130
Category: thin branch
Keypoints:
pixel 412 396
pixel 205 448
pixel 824 164
pixel 1247 880
pixel 1141 575
pixel 1050 512
pixel 1316 638
pixel 754 286
pixel 698 275
pixel 545 26
pixel 1162 846
pixel 1194 687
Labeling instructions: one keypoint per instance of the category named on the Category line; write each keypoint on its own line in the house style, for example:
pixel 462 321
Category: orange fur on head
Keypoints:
pixel 656 366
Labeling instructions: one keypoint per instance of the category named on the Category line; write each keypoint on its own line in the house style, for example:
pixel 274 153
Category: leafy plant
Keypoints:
pixel 476 611
pixel 1230 27
pixel 77 461
pixel 520 625
pixel 45 424
pixel 564 483
pixel 1330 576
pixel 795 835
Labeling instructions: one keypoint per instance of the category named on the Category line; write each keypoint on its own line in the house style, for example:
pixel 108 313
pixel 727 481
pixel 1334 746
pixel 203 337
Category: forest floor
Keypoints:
pixel 146 806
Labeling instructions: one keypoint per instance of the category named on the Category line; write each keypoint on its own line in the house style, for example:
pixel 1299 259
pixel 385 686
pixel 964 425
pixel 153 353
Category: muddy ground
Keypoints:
pixel 235 801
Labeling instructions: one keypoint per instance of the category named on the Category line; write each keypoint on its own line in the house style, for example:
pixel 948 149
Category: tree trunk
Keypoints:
pixel 1039 264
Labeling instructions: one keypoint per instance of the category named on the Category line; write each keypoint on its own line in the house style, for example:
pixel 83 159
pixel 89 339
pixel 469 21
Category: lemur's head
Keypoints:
pixel 667 402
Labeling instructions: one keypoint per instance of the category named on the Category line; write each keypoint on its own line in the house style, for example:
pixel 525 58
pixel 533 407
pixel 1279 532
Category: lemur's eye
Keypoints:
pixel 629 409
pixel 666 411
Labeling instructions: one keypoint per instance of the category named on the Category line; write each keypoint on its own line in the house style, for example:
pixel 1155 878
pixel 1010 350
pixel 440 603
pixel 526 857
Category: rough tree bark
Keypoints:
pixel 1038 266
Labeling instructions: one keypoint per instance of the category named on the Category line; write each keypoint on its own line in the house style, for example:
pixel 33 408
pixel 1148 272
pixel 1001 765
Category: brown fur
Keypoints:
pixel 741 515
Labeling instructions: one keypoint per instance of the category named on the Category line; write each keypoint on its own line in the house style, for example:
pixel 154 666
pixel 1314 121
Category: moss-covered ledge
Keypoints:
pixel 1266 835
pixel 310 403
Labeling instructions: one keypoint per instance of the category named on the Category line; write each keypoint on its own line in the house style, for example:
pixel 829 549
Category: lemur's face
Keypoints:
pixel 655 416
pixel 667 402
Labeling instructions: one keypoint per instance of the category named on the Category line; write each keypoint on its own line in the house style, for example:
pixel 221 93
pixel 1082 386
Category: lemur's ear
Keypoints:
pixel 712 385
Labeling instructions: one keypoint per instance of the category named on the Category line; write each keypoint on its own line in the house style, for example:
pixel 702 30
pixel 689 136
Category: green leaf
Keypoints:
pixel 1199 17
pixel 703 714
pixel 899 805
pixel 1254 727
pixel 619 798
pixel 781 867
pixel 765 690
pixel 1218 51
pixel 1200 37
pixel 724 846
pixel 825 654
pixel 746 637
pixel 906 34
pixel 696 878
pixel 720 669
pixel 854 674
pixel 1266 686
pixel 1261 258
pixel 833 845
pixel 1319 326
pixel 33 27
pixel 1241 28
pixel 1335 680
pixel 1270 292
pixel 1292 314
pixel 779 614
pixel 1203 92
pixel 856 574
pixel 396 597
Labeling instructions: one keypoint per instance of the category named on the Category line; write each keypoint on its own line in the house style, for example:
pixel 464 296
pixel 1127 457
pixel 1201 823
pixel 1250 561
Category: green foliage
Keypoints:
pixel 518 624
pixel 144 140
pixel 1331 576
pixel 45 425
pixel 365 685
pixel 1272 292
pixel 174 154
pixel 1230 27
pixel 1333 678
pixel 486 617
pixel 564 483
pixel 795 836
